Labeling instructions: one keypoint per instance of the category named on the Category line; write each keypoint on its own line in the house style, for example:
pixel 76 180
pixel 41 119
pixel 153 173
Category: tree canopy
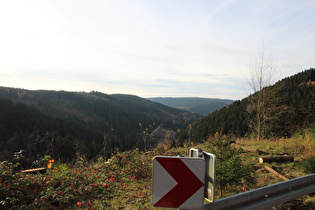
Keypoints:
pixel 296 93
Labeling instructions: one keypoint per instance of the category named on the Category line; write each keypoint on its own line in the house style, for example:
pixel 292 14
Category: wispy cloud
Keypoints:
pixel 150 48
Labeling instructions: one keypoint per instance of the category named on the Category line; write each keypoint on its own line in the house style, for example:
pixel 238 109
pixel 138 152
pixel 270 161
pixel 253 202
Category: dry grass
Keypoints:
pixel 301 146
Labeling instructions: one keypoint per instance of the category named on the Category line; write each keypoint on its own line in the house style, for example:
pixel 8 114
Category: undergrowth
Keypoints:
pixel 124 181
pixel 97 185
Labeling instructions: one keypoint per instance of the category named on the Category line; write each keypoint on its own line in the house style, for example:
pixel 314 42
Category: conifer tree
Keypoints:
pixel 230 170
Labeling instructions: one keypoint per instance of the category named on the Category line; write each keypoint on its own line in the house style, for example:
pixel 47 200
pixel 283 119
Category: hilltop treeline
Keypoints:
pixel 69 124
pixel 292 98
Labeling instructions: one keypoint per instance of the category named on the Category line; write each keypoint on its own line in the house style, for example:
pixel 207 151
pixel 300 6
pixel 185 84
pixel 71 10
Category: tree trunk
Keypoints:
pixel 276 173
pixel 34 171
pixel 276 159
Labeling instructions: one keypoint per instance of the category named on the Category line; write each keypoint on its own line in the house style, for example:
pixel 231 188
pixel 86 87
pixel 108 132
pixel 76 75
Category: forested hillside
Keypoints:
pixel 69 124
pixel 203 106
pixel 289 106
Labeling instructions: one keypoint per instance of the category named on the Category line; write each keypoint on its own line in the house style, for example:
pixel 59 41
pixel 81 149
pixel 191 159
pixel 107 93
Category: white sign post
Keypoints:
pixel 210 171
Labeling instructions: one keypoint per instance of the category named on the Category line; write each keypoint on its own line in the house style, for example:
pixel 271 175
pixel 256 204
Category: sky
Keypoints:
pixel 151 48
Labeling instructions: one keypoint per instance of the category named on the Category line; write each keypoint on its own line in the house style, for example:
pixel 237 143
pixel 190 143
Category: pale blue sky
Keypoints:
pixel 151 48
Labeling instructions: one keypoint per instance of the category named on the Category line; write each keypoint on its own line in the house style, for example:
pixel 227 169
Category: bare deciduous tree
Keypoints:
pixel 263 73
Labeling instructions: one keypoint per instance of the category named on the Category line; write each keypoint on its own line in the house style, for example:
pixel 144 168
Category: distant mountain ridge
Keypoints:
pixel 203 106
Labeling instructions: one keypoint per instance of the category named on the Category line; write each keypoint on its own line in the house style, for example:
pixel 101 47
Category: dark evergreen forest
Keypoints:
pixel 296 94
pixel 67 125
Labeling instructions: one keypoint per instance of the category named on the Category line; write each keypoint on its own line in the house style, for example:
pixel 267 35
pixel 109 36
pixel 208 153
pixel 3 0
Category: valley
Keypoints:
pixel 97 149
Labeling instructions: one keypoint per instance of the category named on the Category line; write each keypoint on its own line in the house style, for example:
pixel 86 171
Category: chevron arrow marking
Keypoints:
pixel 187 182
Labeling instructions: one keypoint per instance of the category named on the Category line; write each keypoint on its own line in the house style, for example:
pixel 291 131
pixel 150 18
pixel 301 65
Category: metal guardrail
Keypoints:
pixel 266 197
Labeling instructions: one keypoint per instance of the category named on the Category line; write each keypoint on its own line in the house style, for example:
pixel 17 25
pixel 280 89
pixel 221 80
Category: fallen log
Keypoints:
pixel 34 171
pixel 276 159
pixel 276 173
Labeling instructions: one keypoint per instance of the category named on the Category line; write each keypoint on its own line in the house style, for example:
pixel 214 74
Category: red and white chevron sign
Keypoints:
pixel 178 182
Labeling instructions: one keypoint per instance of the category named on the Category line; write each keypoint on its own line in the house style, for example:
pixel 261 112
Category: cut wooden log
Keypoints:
pixel 276 173
pixel 276 159
pixel 34 171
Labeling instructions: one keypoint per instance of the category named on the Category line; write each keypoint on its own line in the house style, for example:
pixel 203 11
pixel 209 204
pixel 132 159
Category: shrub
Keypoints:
pixel 309 165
